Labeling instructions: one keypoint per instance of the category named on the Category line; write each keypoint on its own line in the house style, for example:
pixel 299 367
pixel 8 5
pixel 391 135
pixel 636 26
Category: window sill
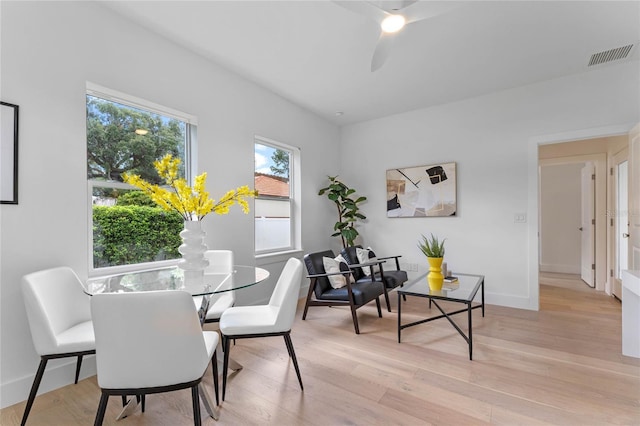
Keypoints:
pixel 277 257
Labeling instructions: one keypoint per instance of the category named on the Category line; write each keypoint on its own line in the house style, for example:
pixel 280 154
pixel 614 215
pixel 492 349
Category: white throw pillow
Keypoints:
pixel 330 266
pixel 363 257
pixel 340 258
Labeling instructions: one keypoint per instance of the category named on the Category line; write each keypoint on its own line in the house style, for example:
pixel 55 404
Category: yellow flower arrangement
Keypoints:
pixel 192 203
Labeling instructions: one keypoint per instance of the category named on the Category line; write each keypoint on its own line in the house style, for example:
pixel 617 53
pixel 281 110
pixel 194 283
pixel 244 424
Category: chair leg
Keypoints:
pixel 34 389
pixel 225 364
pixel 292 352
pixel 143 401
pixel 286 342
pixel 102 408
pixel 214 368
pixel 195 396
pixel 306 304
pixel 386 297
pixel 78 365
pixel 355 318
pixel 124 400
pixel 378 306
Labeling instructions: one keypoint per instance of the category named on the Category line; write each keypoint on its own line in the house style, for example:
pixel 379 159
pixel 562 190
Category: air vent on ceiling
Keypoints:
pixel 610 55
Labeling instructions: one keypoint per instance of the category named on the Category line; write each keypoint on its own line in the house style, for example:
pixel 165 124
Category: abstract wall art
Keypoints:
pixel 422 191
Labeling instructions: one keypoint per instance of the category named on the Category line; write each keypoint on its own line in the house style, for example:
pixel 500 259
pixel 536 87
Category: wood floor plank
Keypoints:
pixel 561 365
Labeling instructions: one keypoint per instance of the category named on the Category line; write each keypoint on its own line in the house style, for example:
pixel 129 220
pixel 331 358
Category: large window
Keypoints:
pixel 275 206
pixel 126 135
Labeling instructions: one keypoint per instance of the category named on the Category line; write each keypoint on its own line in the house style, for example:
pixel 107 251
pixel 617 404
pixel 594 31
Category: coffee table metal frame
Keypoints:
pixel 420 288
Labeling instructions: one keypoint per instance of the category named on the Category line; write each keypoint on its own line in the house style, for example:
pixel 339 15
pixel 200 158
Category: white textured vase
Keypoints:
pixel 193 262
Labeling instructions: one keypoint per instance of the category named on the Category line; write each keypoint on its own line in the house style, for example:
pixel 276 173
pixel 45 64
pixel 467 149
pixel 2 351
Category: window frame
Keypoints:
pixel 190 121
pixel 294 198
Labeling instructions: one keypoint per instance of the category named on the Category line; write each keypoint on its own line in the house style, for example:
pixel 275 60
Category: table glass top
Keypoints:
pixel 465 289
pixel 172 278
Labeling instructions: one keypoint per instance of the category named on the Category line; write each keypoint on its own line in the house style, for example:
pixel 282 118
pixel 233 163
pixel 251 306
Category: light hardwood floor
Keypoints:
pixel 561 365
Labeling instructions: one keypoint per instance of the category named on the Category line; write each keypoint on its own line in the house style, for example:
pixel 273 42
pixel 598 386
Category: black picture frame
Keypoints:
pixel 8 153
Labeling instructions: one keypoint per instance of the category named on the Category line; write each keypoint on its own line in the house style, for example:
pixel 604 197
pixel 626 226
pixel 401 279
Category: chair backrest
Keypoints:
pixel 55 301
pixel 351 256
pixel 147 339
pixel 313 262
pixel 285 294
pixel 220 261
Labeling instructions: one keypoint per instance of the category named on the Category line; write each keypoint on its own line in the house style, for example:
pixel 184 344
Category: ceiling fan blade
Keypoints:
pixel 426 10
pixel 383 50
pixel 364 8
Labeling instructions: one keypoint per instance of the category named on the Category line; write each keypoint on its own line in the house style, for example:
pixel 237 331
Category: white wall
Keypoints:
pixel 49 51
pixel 490 138
pixel 560 218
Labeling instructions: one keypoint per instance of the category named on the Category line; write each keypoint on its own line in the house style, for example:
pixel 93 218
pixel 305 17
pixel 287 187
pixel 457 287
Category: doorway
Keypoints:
pixel 574 237
pixel 620 219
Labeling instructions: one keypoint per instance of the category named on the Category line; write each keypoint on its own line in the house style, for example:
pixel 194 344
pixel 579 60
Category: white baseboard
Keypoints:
pixel 509 301
pixel 560 269
pixel 59 373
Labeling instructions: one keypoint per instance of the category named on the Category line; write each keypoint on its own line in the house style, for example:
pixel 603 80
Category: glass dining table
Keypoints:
pixel 172 278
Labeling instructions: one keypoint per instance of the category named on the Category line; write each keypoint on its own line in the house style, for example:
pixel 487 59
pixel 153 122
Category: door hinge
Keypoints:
pixel 593 266
pixel 593 221
pixel 611 272
pixel 593 177
pixel 611 221
pixel 611 171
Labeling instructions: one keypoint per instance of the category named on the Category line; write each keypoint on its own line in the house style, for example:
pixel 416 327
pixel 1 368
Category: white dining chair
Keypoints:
pixel 59 318
pixel 273 319
pixel 151 342
pixel 220 262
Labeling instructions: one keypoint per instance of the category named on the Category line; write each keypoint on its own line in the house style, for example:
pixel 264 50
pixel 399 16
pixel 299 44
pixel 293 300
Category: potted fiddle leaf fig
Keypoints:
pixel 348 210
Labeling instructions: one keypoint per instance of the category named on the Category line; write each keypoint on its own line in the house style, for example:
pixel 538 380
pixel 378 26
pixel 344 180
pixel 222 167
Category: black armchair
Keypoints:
pixel 391 278
pixel 354 295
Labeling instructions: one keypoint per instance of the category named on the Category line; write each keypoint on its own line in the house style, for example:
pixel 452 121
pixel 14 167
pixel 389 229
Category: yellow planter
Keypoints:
pixel 435 277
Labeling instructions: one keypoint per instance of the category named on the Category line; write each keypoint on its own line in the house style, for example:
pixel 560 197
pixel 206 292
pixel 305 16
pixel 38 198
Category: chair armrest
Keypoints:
pixel 364 265
pixel 328 274
pixel 389 257
pixel 392 257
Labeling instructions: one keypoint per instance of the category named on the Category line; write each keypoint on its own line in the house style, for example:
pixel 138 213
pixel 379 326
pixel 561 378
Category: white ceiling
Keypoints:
pixel 318 54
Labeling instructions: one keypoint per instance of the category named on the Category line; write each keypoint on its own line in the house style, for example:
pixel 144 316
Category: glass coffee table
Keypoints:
pixel 463 291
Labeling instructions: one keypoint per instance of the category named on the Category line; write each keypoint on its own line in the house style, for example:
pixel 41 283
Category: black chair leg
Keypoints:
pixel 378 306
pixel 214 368
pixel 34 389
pixel 195 396
pixel 225 364
pixel 141 400
pixel 124 400
pixel 78 365
pixel 355 319
pixel 292 352
pixel 102 408
pixel 386 298
pixel 286 342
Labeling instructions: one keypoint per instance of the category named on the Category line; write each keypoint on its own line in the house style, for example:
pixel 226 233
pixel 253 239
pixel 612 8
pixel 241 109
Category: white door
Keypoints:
pixel 620 220
pixel 634 198
pixel 587 267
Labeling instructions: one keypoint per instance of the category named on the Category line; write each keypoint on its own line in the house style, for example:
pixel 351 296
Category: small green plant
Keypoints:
pixel 432 247
pixel 348 210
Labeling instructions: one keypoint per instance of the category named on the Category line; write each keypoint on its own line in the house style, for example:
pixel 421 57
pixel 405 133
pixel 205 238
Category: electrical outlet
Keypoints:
pixel 410 266
pixel 520 218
